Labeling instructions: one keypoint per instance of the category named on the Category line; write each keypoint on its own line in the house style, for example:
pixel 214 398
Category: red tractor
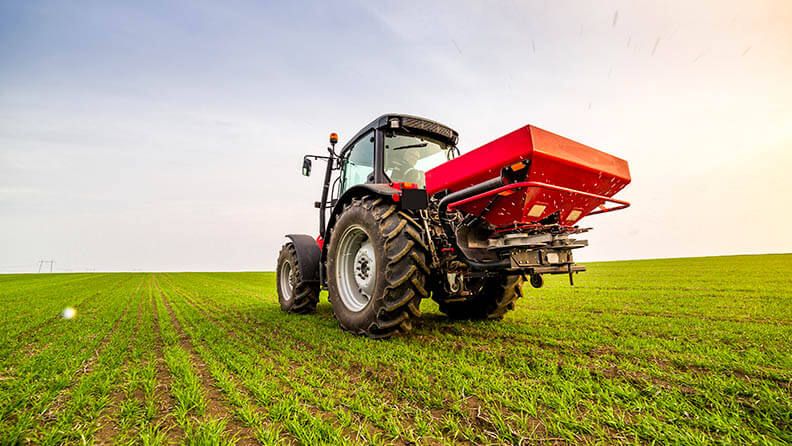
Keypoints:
pixel 403 218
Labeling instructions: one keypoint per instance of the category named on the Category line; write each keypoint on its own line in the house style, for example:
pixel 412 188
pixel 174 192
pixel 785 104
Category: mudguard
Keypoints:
pixel 360 190
pixel 408 198
pixel 308 254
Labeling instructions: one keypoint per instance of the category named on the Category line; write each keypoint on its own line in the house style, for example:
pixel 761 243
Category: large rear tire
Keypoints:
pixel 294 294
pixel 495 298
pixel 376 269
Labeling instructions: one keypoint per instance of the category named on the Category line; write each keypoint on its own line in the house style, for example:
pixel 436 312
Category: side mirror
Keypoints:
pixel 306 170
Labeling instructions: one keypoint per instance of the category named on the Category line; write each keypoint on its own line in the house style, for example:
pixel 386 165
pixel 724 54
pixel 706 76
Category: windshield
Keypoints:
pixel 408 157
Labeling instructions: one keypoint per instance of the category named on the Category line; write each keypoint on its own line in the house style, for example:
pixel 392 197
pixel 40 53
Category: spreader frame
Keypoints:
pixel 620 204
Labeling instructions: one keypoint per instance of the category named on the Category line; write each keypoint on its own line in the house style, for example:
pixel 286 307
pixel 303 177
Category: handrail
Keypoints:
pixel 621 204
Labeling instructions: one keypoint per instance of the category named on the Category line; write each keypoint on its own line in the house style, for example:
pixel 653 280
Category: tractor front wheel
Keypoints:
pixel 294 294
pixel 376 268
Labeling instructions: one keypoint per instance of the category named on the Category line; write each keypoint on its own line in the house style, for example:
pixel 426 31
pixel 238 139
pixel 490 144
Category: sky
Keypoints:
pixel 169 136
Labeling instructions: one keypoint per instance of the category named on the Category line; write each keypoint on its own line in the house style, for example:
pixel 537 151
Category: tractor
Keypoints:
pixel 403 216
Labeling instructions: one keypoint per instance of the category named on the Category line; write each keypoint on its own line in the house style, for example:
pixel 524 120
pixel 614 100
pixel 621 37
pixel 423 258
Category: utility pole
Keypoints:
pixel 42 262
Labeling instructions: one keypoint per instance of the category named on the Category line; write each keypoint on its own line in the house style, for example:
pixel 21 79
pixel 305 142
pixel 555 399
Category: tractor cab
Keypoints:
pixel 393 149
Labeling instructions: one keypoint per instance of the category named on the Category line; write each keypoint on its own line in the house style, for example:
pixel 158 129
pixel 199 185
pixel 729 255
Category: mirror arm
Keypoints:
pixel 318 157
pixel 325 188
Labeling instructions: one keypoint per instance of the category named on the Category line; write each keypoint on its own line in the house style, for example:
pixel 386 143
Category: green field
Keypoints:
pixel 691 351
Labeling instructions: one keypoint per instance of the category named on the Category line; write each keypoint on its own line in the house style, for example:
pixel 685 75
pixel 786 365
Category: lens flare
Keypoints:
pixel 68 313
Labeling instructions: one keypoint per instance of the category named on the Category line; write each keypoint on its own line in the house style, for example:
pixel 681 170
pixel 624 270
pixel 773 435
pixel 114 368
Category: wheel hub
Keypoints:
pixel 364 274
pixel 356 268
pixel 287 280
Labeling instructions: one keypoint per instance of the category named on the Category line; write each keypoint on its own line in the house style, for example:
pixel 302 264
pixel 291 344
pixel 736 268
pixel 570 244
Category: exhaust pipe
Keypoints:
pixel 469 192
pixel 461 195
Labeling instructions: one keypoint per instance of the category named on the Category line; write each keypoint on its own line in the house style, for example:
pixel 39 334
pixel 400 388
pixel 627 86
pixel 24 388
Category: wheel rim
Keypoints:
pixel 356 268
pixel 286 281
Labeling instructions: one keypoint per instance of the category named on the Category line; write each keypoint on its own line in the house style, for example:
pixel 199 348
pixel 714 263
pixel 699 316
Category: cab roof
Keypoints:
pixel 414 123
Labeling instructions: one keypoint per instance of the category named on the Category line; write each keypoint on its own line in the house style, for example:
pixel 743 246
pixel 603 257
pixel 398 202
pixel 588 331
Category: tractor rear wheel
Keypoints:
pixel 294 294
pixel 376 268
pixel 495 298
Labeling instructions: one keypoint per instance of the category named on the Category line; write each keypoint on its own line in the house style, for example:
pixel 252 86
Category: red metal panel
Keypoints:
pixel 481 164
pixel 576 179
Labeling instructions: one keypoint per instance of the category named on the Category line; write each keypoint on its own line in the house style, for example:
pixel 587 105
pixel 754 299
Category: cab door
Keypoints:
pixel 357 163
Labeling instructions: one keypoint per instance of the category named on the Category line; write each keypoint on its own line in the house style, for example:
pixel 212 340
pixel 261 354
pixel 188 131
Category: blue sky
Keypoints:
pixel 168 136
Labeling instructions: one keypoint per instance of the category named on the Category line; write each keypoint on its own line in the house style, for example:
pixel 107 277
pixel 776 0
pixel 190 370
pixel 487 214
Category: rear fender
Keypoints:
pixel 408 199
pixel 308 256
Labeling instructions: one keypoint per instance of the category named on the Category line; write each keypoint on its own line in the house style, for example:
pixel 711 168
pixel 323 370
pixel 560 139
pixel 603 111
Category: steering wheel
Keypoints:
pixel 413 175
pixel 403 171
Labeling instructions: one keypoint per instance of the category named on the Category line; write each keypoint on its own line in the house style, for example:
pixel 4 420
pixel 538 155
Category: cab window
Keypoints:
pixel 358 162
pixel 408 157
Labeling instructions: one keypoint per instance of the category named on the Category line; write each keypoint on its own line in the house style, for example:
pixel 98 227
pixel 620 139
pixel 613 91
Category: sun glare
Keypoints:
pixel 68 313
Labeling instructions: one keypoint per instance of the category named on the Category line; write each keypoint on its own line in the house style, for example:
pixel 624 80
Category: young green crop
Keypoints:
pixel 670 351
